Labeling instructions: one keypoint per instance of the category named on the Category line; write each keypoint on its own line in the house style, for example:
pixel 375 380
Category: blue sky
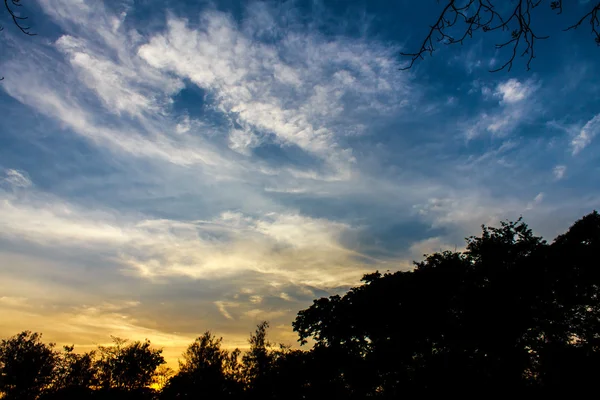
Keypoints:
pixel 172 167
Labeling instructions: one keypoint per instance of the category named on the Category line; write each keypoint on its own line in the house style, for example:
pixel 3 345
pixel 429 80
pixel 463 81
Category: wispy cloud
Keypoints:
pixel 14 178
pixel 536 201
pixel 513 91
pixel 586 135
pixel 559 172
pixel 277 83
pixel 515 106
pixel 283 247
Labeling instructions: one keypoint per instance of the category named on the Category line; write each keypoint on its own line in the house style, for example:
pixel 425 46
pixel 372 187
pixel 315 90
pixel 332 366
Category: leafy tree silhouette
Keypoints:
pixel 75 375
pixel 126 367
pixel 501 315
pixel 26 366
pixel 206 370
pixel 258 361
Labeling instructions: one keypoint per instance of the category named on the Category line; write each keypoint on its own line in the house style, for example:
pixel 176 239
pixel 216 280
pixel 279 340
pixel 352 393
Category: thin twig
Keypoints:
pixel 594 21
pixel 17 19
pixel 481 15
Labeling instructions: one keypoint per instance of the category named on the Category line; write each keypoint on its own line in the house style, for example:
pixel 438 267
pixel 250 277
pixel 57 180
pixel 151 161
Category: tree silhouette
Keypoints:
pixel 258 361
pixel 460 20
pixel 162 376
pixel 127 367
pixel 75 374
pixel 503 314
pixel 206 370
pixel 26 366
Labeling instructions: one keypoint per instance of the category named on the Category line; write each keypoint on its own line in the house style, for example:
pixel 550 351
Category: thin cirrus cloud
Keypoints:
pixel 511 112
pixel 215 168
pixel 287 248
pixel 559 171
pixel 586 135
pixel 285 88
pixel 16 178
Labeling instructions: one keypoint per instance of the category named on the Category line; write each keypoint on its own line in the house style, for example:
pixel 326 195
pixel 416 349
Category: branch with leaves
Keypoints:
pixel 460 20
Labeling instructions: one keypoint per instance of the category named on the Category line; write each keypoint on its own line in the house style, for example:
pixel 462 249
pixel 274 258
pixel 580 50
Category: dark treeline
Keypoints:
pixel 510 313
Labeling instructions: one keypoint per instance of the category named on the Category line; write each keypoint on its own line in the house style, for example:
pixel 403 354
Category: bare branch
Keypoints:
pixel 18 20
pixel 593 20
pixel 474 15
pixel 427 45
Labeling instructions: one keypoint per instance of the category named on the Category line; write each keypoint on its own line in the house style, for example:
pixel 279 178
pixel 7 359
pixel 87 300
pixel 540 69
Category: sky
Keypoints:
pixel 168 168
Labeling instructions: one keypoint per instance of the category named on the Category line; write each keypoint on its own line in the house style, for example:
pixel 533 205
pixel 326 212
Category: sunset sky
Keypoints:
pixel 172 167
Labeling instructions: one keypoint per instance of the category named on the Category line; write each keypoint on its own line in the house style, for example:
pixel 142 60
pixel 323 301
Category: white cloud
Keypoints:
pixel 429 246
pixel 121 88
pixel 498 124
pixel 283 86
pixel 12 301
pixel 586 135
pixel 465 213
pixel 265 315
pixel 221 306
pixel 101 51
pixel 512 110
pixel 269 81
pixel 285 296
pixel 536 201
pixel 513 91
pixel 281 247
pixel 559 172
pixel 17 179
pixel 151 140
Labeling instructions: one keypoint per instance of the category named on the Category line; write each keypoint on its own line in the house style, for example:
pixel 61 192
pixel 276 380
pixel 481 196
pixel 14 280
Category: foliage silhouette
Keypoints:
pixel 500 315
pixel 206 370
pixel 127 367
pixel 26 365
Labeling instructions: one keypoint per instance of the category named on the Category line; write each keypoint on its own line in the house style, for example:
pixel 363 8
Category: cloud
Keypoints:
pixel 16 179
pixel 559 172
pixel 13 301
pixel 536 201
pixel 513 91
pixel 149 141
pixel 509 115
pixel 277 83
pixel 221 306
pixel 429 246
pixel 463 214
pixel 586 135
pixel 282 247
pixel 88 325
pixel 265 315
pixel 122 88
